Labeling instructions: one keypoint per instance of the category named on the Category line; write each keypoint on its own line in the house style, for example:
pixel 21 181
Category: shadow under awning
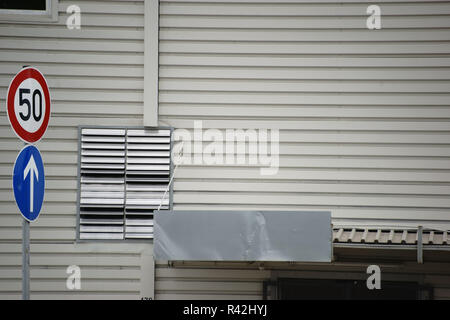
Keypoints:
pixel 303 236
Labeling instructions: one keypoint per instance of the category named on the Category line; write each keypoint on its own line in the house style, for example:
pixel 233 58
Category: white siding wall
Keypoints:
pixel 364 115
pixel 209 282
pixel 96 78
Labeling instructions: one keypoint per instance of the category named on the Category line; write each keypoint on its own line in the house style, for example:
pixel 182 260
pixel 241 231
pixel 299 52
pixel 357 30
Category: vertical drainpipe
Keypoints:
pixel 420 244
pixel 332 249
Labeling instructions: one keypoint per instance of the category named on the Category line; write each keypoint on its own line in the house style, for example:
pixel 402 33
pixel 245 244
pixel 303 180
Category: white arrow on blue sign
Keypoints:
pixel 29 182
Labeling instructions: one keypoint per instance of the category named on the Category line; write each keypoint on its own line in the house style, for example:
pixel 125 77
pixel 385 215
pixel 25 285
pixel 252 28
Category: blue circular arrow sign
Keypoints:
pixel 29 182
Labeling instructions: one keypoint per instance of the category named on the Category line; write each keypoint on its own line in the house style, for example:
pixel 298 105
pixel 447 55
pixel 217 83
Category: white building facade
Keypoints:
pixel 360 102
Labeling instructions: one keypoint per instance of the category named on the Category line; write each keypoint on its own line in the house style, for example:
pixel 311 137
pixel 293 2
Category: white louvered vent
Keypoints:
pixel 124 174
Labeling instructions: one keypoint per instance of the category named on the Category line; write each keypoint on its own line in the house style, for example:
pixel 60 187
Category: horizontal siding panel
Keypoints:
pixel 210 286
pixel 88 273
pixel 106 7
pixel 10 273
pixel 298 86
pixel 87 108
pixel 71 45
pixel 250 35
pixel 125 95
pixel 316 124
pixel 108 285
pixel 300 9
pixel 72 69
pixel 102 20
pixel 14 219
pixel 81 248
pixel 334 162
pixel 218 110
pixel 87 83
pixel 11 285
pixel 259 60
pixel 85 260
pixel 316 22
pixel 102 95
pixel 353 149
pixel 11 295
pixel 48 157
pixel 42 234
pixel 345 98
pixel 344 136
pixel 223 274
pixel 50 196
pixel 278 187
pixel 50 208
pixel 265 47
pixel 314 174
pixel 62 171
pixel 206 296
pixel 305 199
pixel 98 58
pixel 73 121
pixel 6 132
pixel 380 216
pixel 74 295
pixel 11 259
pixel 303 73
pixel 100 33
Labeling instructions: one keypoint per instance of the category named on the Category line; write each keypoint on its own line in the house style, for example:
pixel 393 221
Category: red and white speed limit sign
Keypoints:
pixel 28 104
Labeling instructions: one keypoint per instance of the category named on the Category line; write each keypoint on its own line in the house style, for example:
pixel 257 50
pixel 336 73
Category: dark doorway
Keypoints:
pixel 312 289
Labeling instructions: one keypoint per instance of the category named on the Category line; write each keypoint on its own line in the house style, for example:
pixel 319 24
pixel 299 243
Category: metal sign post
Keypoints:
pixel 28 109
pixel 25 259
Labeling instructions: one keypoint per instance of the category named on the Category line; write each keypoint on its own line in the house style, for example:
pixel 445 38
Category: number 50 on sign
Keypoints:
pixel 28 105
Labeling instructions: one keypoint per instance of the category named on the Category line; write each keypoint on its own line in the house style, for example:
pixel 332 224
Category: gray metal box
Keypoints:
pixel 243 236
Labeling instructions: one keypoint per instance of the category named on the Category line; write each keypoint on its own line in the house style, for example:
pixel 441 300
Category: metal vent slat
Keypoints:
pixel 100 132
pixel 148 140
pixel 103 153
pixel 132 153
pixel 103 146
pixel 100 211
pixel 102 221
pixel 148 133
pixel 100 236
pixel 155 187
pixel 102 160
pixel 102 180
pixel 134 160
